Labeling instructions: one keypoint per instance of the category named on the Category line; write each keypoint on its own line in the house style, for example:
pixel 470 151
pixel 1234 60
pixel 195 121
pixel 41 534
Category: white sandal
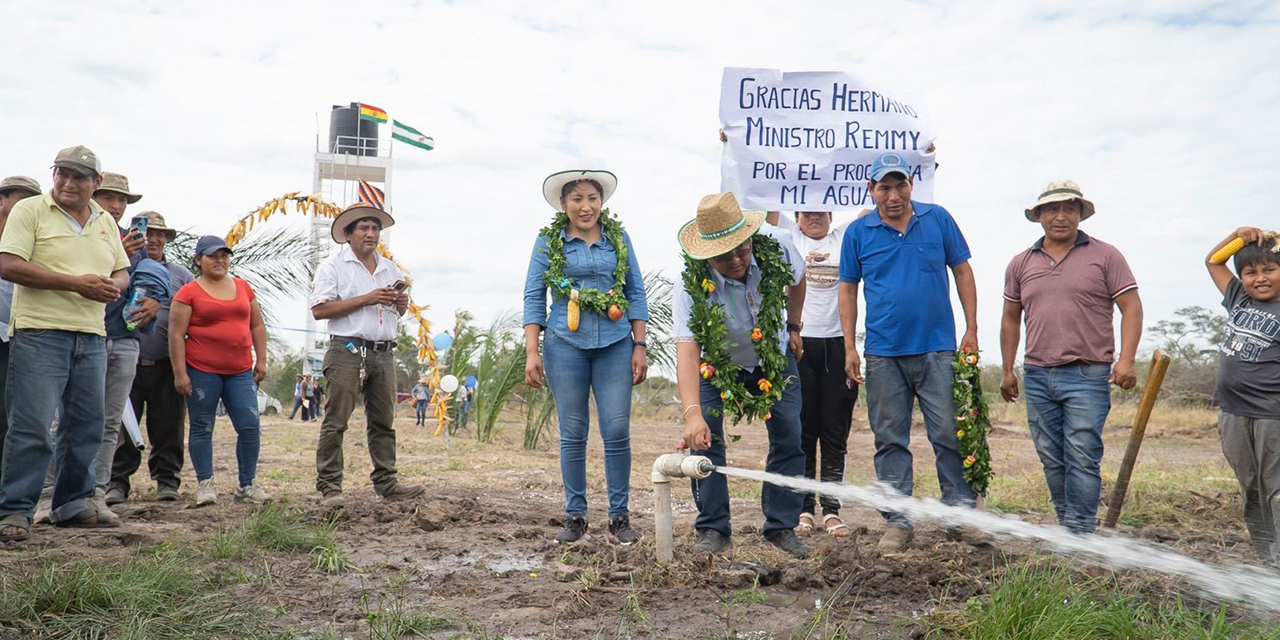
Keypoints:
pixel 806 523
pixel 839 529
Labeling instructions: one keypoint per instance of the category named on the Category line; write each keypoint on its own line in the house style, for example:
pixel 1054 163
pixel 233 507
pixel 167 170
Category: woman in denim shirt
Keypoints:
pixel 597 353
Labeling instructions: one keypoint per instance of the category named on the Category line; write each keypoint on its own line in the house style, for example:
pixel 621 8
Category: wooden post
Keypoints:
pixel 1151 389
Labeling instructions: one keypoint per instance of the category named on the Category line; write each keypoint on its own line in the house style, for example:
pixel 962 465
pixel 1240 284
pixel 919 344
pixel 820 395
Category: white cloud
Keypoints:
pixel 1163 112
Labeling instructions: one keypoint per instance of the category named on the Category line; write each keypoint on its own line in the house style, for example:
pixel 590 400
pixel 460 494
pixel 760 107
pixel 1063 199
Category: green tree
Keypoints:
pixel 1191 341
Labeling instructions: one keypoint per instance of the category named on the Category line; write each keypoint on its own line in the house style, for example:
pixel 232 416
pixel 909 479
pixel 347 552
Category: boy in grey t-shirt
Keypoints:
pixel 1248 388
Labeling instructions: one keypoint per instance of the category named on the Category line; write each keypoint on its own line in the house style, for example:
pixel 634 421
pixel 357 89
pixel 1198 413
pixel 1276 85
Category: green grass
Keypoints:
pixel 150 595
pixel 1050 600
pixel 276 527
pixel 1158 495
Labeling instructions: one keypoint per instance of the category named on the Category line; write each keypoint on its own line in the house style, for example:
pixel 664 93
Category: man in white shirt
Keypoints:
pixel 828 397
pixel 362 295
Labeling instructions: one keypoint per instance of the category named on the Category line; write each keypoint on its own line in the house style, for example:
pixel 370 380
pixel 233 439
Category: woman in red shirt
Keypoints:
pixel 215 328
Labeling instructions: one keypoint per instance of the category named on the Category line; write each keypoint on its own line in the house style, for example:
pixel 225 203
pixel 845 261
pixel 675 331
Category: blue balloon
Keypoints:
pixel 442 341
pixel 471 382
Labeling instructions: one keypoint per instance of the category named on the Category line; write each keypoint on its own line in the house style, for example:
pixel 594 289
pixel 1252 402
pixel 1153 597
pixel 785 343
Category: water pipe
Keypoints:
pixel 666 467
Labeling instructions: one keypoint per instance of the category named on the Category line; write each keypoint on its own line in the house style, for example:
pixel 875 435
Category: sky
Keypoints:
pixel 1163 112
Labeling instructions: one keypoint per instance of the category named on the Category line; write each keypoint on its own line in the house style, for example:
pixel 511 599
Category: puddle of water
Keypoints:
pixel 1251 585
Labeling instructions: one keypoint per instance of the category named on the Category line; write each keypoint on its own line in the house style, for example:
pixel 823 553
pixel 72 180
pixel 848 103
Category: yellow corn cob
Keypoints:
pixel 575 314
pixel 1226 252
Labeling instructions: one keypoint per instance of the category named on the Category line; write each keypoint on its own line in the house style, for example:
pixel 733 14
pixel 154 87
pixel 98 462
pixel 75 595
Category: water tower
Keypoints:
pixel 354 152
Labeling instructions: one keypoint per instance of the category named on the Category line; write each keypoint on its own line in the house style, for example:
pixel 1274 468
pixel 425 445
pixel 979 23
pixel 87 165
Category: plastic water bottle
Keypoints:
pixel 131 306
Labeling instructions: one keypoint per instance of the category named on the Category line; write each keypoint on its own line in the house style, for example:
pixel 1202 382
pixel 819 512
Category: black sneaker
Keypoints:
pixel 787 540
pixel 620 531
pixel 711 541
pixel 575 529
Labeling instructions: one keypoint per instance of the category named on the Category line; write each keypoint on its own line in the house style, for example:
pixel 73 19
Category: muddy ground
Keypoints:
pixel 478 547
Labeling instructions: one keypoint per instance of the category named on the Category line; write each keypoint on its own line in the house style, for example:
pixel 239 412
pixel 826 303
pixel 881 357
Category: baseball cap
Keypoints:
pixel 209 245
pixel 889 163
pixel 19 182
pixel 79 158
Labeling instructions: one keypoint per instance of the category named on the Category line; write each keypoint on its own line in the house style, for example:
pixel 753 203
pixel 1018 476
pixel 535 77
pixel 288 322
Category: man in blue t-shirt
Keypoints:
pixel 900 253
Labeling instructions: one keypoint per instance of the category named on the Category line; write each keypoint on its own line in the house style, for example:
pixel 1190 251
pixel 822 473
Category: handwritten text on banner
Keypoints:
pixel 805 141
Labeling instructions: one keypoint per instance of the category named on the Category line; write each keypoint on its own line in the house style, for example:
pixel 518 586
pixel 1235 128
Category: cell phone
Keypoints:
pixel 400 286
pixel 139 224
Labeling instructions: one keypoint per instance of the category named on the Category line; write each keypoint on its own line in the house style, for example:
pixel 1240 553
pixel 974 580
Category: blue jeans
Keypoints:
pixel 421 411
pixel 53 371
pixel 893 385
pixel 781 506
pixel 572 374
pixel 239 395
pixel 1066 409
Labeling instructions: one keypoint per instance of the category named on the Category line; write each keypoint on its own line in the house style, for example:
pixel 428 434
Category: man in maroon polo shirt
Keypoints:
pixel 1068 285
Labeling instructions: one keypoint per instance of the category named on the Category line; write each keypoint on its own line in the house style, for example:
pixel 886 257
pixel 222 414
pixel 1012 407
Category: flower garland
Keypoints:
pixel 972 421
pixel 613 302
pixel 707 322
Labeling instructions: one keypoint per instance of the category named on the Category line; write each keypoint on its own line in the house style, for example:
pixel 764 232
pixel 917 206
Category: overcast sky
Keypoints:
pixel 1163 111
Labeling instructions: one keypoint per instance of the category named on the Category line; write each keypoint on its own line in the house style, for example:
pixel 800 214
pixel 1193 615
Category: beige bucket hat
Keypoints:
pixel 24 183
pixel 119 184
pixel 720 226
pixel 1057 191
pixel 355 212
pixel 555 182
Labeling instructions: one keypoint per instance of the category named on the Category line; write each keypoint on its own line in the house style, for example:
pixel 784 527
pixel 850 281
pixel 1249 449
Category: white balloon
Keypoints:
pixel 449 383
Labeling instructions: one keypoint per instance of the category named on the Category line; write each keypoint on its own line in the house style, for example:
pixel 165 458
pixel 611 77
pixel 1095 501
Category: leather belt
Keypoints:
pixel 375 345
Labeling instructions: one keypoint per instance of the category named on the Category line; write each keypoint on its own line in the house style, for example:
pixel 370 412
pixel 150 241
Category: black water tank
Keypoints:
pixel 345 126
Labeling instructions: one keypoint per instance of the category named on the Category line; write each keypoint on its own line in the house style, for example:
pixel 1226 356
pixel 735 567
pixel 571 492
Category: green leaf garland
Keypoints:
pixel 707 322
pixel 972 421
pixel 560 284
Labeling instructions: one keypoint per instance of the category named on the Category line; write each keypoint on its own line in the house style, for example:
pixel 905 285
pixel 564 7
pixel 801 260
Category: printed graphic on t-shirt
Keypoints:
pixel 820 271
pixel 1249 331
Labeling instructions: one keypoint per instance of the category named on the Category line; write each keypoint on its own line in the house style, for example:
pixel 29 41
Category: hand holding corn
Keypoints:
pixel 1244 236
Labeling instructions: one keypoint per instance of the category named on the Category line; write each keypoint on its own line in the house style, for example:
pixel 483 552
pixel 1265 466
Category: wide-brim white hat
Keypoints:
pixel 355 212
pixel 1058 191
pixel 554 184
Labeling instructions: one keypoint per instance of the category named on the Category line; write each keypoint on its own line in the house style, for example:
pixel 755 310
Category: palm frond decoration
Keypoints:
pixel 276 262
pixel 662 349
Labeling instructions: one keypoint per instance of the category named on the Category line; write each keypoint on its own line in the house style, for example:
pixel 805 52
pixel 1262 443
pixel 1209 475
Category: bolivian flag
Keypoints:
pixel 407 134
pixel 372 113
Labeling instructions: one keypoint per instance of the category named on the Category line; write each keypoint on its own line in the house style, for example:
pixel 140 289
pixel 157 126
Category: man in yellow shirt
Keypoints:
pixel 66 260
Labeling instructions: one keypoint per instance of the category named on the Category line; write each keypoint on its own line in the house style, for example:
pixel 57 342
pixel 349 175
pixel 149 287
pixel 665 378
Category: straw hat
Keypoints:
pixel 720 227
pixel 119 184
pixel 356 212
pixel 1058 191
pixel 555 182
pixel 422 380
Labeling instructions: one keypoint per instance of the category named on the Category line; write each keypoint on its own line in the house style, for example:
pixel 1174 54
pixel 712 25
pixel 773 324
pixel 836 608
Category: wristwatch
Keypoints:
pixel 795 326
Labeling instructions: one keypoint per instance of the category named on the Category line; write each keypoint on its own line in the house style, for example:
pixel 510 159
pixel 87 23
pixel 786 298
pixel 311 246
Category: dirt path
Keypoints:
pixel 478 546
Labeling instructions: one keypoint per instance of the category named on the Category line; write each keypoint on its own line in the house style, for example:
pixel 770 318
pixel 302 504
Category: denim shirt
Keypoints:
pixel 589 267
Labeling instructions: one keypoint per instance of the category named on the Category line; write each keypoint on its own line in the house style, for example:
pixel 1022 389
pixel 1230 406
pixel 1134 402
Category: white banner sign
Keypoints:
pixel 805 141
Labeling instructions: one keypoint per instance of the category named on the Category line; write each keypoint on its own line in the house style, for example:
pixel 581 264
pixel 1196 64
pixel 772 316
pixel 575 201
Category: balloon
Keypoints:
pixel 442 341
pixel 471 382
pixel 449 383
